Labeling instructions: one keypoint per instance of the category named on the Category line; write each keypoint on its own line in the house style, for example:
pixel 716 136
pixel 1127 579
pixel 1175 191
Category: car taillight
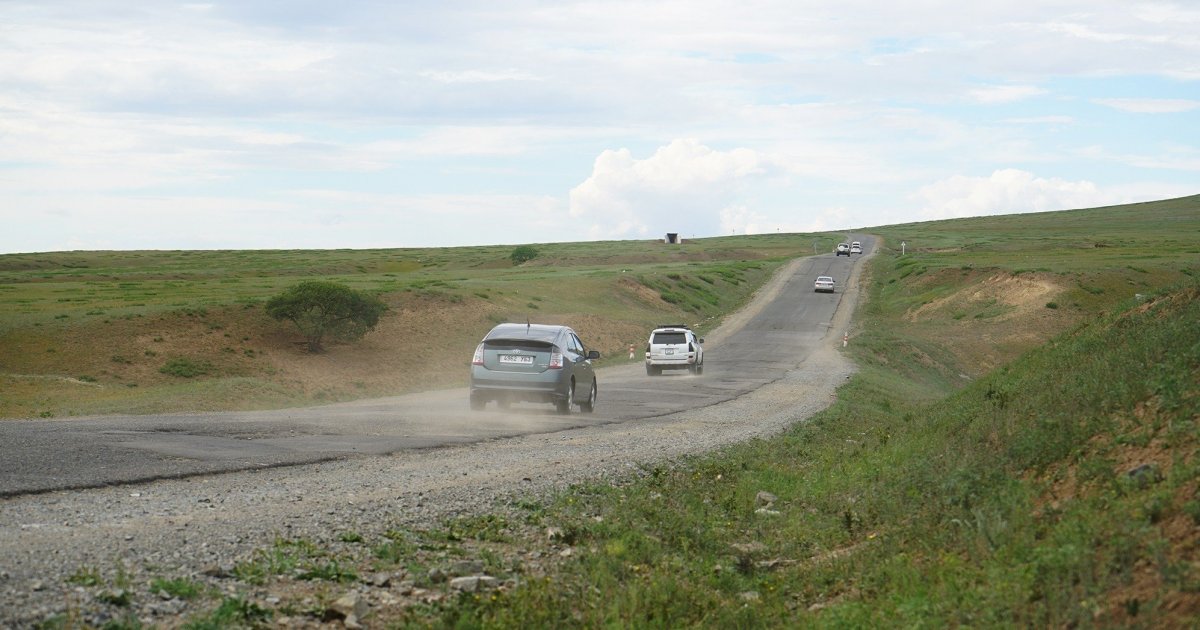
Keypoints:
pixel 478 358
pixel 556 360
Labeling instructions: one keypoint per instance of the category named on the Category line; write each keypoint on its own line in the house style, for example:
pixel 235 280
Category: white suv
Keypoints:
pixel 674 347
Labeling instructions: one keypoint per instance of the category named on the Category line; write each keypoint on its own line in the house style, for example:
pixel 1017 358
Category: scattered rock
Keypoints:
pixel 749 596
pixel 350 606
pixel 749 548
pixel 1144 475
pixel 167 608
pixel 220 571
pixel 380 580
pixel 474 583
pixel 466 567
pixel 772 563
pixel 555 533
pixel 765 499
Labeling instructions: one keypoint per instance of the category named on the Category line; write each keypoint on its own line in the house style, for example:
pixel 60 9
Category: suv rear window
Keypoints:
pixel 675 338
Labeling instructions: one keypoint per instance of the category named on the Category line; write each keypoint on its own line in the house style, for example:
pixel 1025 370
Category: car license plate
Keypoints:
pixel 669 351
pixel 517 359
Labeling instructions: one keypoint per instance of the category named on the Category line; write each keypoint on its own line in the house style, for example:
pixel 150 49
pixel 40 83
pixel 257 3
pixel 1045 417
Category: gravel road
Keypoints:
pixel 186 527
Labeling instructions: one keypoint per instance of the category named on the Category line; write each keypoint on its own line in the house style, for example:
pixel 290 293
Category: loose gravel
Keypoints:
pixel 199 527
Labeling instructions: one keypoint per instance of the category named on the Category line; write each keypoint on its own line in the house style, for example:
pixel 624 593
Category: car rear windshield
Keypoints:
pixel 516 344
pixel 674 338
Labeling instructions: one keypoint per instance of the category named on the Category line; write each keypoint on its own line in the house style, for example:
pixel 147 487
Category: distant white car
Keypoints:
pixel 674 347
pixel 843 249
pixel 855 247
pixel 823 284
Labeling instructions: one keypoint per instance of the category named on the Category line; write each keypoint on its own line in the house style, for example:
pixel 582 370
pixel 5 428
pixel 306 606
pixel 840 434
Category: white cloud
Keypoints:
pixel 1008 191
pixel 684 187
pixel 1149 105
pixel 1041 120
pixel 995 94
pixel 479 76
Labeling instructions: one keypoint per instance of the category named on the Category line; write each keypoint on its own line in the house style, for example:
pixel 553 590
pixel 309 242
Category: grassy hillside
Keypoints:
pixel 92 332
pixel 987 289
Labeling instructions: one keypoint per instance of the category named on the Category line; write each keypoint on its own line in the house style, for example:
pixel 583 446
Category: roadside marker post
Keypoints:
pixel 845 338
pixel 630 352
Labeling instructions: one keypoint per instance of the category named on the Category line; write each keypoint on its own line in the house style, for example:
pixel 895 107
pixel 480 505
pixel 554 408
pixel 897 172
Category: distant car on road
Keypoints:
pixel 534 363
pixel 855 247
pixel 823 284
pixel 674 347
pixel 843 249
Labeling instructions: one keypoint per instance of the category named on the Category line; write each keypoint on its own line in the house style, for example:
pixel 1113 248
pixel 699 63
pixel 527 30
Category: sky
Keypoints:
pixel 301 124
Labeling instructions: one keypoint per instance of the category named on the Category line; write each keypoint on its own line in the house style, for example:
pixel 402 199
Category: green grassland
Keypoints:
pixel 156 331
pixel 44 289
pixel 1018 449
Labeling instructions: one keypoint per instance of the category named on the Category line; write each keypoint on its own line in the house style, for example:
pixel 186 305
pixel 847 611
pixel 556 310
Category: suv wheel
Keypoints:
pixel 477 403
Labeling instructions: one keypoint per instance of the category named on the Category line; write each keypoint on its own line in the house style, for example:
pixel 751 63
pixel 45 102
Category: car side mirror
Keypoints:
pixel 593 354
pixel 700 340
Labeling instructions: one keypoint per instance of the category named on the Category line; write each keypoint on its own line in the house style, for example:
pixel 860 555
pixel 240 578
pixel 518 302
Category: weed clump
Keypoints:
pixel 184 367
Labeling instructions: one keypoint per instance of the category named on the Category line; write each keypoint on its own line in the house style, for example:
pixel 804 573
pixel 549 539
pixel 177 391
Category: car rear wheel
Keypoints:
pixel 563 405
pixel 589 405
pixel 477 403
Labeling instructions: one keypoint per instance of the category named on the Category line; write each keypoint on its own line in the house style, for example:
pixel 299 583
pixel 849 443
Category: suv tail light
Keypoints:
pixel 478 358
pixel 556 362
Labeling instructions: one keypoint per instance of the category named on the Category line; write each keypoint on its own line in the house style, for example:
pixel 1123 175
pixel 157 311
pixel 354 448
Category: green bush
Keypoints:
pixel 322 308
pixel 523 254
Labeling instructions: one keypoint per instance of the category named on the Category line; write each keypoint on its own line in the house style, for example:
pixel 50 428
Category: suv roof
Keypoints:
pixel 673 326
